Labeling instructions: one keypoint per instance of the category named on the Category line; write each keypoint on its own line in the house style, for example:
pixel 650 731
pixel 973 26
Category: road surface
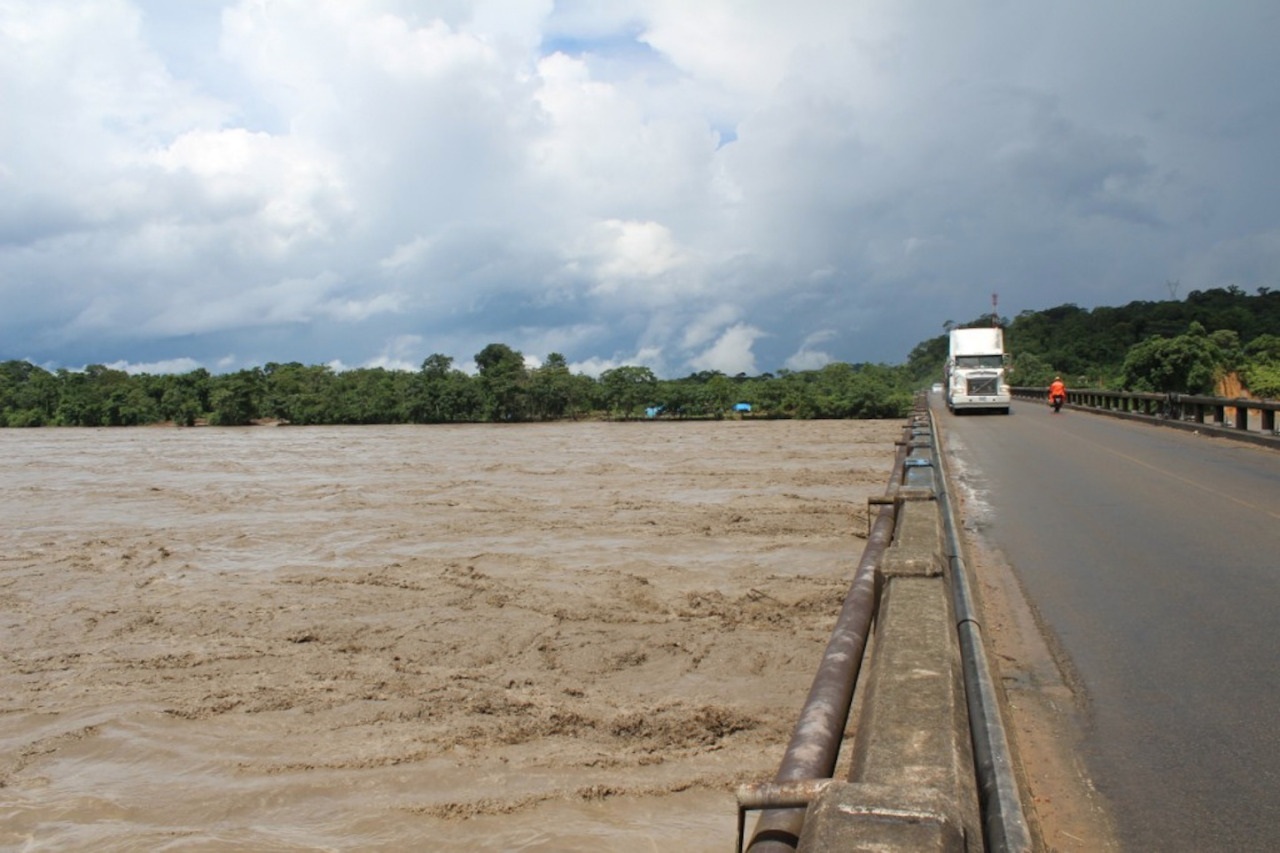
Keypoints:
pixel 1153 558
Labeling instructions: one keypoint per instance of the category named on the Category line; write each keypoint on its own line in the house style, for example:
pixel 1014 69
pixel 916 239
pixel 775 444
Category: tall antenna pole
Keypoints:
pixel 995 310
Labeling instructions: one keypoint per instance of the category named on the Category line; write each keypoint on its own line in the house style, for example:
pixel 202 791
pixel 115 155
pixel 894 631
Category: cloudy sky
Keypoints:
pixel 735 185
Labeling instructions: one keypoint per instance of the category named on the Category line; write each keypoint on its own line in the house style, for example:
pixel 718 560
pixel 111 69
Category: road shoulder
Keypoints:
pixel 1045 711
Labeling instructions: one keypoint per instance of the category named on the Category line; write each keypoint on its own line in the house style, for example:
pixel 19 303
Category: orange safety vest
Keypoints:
pixel 1057 389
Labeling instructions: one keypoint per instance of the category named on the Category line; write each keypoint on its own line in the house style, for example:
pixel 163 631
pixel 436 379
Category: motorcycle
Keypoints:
pixel 1056 402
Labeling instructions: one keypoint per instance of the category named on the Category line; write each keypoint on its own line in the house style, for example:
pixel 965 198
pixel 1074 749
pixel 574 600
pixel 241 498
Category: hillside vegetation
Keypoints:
pixel 1188 346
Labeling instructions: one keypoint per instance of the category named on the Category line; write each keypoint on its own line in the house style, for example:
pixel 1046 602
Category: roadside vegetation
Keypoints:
pixel 1187 346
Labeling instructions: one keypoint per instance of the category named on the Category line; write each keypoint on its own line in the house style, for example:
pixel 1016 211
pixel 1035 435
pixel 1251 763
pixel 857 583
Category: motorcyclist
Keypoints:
pixel 1057 393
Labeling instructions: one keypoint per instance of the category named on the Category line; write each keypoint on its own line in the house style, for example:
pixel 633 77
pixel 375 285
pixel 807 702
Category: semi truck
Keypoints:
pixel 975 372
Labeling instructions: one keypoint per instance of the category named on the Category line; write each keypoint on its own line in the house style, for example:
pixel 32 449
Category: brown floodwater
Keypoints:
pixel 569 637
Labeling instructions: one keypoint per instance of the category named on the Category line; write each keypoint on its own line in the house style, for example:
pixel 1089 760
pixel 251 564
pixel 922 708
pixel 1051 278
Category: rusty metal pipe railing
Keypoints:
pixel 776 795
pixel 815 741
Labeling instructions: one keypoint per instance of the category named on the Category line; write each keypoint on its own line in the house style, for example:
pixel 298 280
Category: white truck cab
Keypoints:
pixel 975 372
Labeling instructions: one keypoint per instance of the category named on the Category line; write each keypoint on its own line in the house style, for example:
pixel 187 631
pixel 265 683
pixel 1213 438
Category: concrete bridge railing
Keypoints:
pixel 1240 418
pixel 928 765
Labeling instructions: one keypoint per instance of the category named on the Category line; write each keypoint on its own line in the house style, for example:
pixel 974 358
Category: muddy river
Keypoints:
pixel 568 637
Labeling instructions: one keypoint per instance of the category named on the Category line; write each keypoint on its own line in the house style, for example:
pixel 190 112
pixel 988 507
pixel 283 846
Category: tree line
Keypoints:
pixel 503 390
pixel 1182 346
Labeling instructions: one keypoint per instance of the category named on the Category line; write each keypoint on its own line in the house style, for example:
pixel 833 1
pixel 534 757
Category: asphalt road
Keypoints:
pixel 1153 557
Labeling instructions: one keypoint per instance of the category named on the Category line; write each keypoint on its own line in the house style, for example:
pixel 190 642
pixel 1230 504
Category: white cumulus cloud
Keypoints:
pixel 731 353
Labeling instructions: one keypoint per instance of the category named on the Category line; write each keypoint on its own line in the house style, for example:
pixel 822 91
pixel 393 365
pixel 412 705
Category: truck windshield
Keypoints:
pixel 993 360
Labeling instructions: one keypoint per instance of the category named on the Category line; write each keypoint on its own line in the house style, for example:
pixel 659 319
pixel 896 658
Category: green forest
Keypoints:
pixel 1183 346
pixel 1186 346
pixel 503 390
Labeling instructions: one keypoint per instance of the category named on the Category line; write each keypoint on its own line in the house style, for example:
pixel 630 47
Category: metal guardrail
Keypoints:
pixel 1005 826
pixel 1242 418
pixel 929 764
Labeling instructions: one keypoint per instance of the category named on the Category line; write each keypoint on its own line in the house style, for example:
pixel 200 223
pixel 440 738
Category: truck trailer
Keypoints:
pixel 975 372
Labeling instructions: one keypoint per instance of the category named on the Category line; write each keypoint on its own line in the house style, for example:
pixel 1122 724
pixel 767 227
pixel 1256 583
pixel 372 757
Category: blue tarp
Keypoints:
pixel 742 407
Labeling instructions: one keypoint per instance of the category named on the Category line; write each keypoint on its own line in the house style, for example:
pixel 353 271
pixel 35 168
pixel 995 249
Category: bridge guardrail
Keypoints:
pixel 929 766
pixel 1248 419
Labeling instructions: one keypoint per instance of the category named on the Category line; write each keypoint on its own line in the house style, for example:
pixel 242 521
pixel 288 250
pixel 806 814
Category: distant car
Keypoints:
pixel 937 387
